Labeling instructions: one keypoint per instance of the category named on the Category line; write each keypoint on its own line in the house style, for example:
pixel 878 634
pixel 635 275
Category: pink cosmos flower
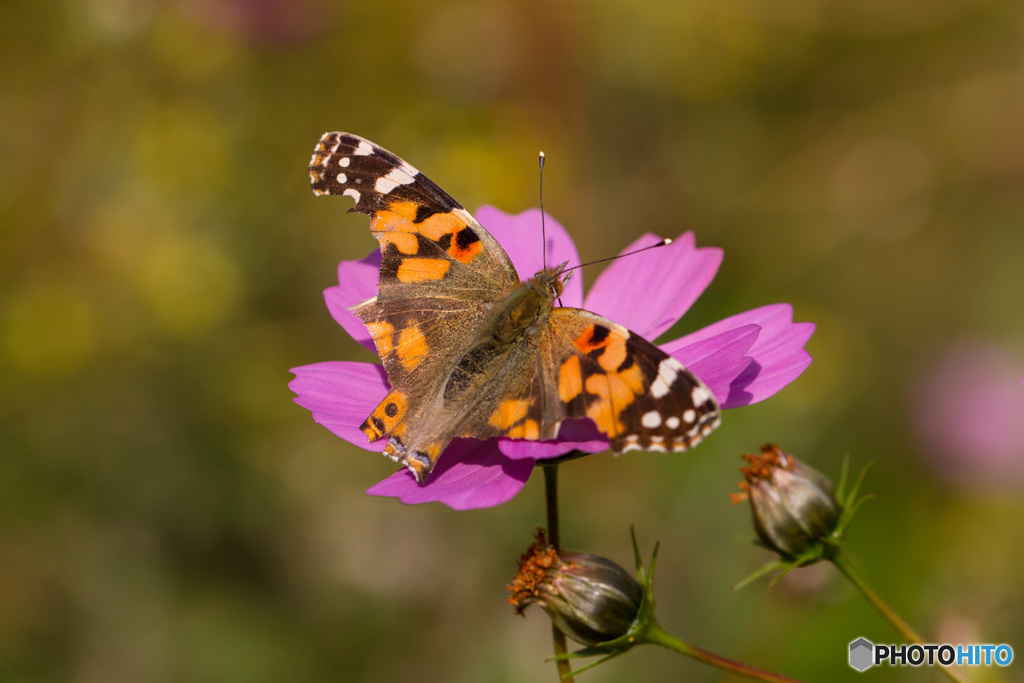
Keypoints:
pixel 967 410
pixel 743 359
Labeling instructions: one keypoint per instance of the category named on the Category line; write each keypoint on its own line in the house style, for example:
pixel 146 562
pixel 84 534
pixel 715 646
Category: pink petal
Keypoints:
pixel 520 236
pixel 340 394
pixel 720 360
pixel 778 354
pixel 357 282
pixel 470 474
pixel 649 292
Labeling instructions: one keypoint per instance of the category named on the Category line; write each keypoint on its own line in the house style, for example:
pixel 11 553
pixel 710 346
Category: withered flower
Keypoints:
pixel 794 508
pixel 589 598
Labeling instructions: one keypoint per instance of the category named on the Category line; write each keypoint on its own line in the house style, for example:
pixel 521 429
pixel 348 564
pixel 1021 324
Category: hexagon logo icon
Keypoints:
pixel 861 654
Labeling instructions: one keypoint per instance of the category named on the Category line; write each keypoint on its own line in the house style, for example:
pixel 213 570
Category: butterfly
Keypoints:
pixel 472 351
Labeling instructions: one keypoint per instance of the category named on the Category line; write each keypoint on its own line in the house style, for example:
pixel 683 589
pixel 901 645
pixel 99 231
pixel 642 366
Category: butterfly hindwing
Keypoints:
pixel 635 393
pixel 419 339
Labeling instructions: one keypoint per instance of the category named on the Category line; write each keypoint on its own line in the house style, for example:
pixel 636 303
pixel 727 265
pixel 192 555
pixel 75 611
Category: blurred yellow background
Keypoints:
pixel 168 514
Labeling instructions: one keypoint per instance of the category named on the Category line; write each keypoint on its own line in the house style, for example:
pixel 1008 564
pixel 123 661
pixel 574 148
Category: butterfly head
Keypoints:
pixel 551 281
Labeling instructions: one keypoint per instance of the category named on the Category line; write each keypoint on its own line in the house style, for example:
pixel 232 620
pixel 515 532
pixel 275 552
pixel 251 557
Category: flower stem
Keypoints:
pixel 551 499
pixel 656 635
pixel 849 571
pixel 844 565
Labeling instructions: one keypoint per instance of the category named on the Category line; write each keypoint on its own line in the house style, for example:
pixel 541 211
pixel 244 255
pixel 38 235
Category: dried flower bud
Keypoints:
pixel 793 504
pixel 588 597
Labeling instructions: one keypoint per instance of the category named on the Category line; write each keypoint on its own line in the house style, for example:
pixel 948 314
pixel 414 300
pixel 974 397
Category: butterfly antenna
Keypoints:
pixel 543 231
pixel 662 243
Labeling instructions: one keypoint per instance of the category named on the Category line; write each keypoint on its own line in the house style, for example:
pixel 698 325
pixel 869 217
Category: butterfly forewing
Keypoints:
pixel 429 243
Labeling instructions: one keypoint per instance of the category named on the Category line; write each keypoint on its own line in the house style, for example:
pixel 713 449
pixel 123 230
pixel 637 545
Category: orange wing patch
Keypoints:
pixel 510 412
pixel 465 246
pixel 614 353
pixel 615 391
pixel 438 225
pixel 422 269
pixel 412 347
pixel 398 217
pixel 591 338
pixel 510 417
pixel 529 429
pixel 596 337
pixel 383 334
pixel 405 242
pixel 570 382
pixel 397 225
pixel 386 416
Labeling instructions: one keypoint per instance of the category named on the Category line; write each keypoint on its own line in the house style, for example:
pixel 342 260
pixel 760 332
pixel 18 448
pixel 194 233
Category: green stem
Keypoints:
pixel 551 499
pixel 849 571
pixel 844 565
pixel 564 667
pixel 656 635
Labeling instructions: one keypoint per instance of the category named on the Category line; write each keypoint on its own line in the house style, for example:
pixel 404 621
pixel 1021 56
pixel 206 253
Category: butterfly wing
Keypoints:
pixel 585 365
pixel 637 395
pixel 440 272
pixel 430 245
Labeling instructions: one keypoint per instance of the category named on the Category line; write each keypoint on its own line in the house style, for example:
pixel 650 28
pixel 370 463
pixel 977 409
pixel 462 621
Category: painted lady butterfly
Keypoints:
pixel 470 351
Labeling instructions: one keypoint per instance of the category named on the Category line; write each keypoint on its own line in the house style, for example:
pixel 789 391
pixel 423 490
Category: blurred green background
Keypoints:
pixel 168 514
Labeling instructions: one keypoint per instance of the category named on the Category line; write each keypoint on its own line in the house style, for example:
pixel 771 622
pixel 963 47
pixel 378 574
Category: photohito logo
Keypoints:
pixel 864 654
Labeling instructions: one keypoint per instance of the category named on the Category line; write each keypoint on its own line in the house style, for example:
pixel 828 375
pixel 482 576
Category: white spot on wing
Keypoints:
pixel 700 395
pixel 689 415
pixel 354 194
pixel 673 422
pixel 651 419
pixel 364 149
pixel 397 176
pixel 344 162
pixel 342 178
pixel 666 376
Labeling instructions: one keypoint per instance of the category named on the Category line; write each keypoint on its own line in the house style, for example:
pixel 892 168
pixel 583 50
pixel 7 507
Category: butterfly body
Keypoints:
pixel 470 351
